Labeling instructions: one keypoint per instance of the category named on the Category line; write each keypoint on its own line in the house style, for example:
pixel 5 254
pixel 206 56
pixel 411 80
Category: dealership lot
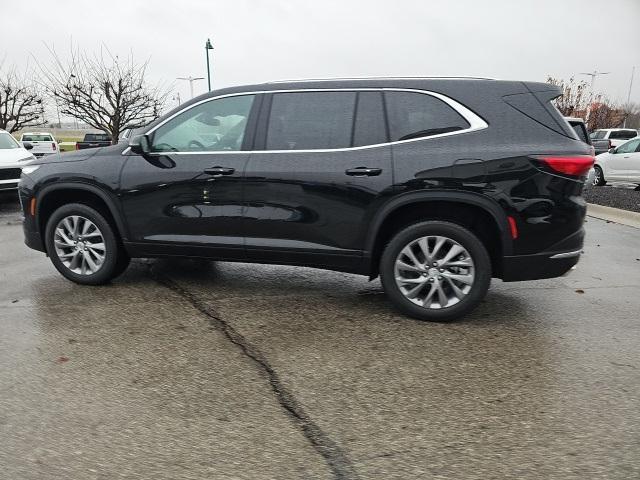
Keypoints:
pixel 186 369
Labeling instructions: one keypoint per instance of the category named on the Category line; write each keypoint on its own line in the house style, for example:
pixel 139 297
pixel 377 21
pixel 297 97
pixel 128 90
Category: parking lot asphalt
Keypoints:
pixel 194 370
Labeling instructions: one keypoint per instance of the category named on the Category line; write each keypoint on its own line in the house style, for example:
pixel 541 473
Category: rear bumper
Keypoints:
pixel 538 266
pixel 560 258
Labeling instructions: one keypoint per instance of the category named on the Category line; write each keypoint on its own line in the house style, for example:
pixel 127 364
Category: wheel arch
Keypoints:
pixel 490 221
pixel 53 196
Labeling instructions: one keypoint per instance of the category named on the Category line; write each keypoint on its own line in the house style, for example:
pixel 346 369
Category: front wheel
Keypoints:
pixel 83 245
pixel 598 177
pixel 435 271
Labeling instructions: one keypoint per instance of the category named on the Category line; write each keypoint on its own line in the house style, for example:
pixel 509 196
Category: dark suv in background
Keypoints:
pixel 435 184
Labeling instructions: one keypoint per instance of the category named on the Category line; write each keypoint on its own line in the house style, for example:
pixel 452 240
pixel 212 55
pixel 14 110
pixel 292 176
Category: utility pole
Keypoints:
pixel 177 97
pixel 191 79
pixel 633 72
pixel 207 47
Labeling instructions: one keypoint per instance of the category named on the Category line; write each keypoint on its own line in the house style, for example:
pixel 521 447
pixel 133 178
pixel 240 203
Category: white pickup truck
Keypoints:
pixel 607 138
pixel 43 143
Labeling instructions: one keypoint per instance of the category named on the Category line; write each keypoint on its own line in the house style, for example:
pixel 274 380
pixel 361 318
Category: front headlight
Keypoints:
pixel 27 159
pixel 27 169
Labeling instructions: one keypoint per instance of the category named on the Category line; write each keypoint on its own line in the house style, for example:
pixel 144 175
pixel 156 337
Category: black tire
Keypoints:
pixel 598 179
pixel 115 258
pixel 455 232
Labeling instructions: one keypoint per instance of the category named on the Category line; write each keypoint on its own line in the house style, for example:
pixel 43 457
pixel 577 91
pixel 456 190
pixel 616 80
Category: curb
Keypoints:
pixel 616 215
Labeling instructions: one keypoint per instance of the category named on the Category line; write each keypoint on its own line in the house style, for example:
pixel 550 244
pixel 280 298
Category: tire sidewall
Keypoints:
pixel 108 268
pixel 481 260
pixel 599 175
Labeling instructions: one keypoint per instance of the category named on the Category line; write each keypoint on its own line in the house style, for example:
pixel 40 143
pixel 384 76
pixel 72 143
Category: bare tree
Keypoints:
pixel 103 91
pixel 574 96
pixel 631 115
pixel 604 114
pixel 20 103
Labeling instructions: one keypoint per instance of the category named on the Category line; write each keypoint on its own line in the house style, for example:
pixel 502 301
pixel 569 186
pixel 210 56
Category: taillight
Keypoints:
pixel 610 144
pixel 77 146
pixel 575 165
pixel 53 146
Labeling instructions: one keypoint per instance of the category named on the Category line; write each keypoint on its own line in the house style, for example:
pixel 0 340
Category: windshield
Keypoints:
pixel 7 141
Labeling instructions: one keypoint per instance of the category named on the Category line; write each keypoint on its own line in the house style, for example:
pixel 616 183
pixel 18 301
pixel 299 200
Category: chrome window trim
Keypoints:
pixel 475 122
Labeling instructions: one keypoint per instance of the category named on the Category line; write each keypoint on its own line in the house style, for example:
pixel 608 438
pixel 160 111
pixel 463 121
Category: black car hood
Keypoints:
pixel 79 155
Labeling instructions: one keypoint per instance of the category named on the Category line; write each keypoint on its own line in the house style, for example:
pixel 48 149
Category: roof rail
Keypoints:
pixel 383 78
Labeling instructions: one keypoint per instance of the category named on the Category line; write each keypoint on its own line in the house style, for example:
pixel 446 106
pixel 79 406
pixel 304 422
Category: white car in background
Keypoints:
pixel 43 143
pixel 13 157
pixel 621 164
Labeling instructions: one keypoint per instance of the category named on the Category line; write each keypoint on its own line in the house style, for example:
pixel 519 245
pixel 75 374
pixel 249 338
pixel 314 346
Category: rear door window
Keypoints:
pixel 416 115
pixel 598 135
pixel 311 120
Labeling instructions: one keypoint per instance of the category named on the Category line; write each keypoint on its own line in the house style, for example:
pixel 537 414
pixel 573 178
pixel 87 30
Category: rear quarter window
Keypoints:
pixel 416 115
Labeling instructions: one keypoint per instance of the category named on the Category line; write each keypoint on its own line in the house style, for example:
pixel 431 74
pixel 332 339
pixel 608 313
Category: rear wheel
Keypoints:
pixel 598 178
pixel 435 271
pixel 83 245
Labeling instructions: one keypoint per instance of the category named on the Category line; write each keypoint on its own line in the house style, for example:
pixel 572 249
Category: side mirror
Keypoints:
pixel 612 150
pixel 140 145
pixel 27 145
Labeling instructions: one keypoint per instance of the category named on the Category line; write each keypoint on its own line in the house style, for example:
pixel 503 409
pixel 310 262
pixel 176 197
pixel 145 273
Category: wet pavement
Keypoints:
pixel 198 370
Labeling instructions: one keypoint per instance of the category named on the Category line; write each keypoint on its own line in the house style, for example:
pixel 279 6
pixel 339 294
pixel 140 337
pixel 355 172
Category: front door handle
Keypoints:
pixel 219 171
pixel 363 172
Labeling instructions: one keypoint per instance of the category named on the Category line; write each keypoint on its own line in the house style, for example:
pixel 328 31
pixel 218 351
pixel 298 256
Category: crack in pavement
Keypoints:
pixel 335 458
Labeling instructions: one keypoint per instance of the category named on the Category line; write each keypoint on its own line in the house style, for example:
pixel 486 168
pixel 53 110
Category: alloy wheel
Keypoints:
pixel 79 244
pixel 434 272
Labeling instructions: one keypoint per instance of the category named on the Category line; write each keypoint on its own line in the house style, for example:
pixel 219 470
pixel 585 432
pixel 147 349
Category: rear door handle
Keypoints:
pixel 219 171
pixel 363 172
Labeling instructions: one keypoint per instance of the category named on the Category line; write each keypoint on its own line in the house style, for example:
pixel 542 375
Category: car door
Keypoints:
pixel 188 191
pixel 630 162
pixel 320 166
pixel 623 163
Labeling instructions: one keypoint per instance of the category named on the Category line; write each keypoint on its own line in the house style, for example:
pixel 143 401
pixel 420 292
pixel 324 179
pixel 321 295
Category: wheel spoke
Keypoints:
pixel 443 300
pixel 440 241
pixel 415 290
pixel 466 279
pixel 96 246
pixel 454 251
pixel 429 296
pixel 409 253
pixel 456 290
pixel 89 261
pixel 411 280
pixel 405 266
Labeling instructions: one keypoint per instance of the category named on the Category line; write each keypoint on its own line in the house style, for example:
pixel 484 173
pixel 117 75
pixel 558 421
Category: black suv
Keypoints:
pixel 435 184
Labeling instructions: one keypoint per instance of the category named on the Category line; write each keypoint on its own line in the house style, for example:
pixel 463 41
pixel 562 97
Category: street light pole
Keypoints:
pixel 191 79
pixel 207 47
pixel 633 72
pixel 593 76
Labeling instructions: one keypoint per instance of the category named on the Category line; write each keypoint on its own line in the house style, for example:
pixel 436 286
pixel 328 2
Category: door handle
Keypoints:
pixel 219 171
pixel 363 172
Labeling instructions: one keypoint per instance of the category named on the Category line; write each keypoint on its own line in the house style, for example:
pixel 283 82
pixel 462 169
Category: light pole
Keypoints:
pixel 633 72
pixel 191 79
pixel 593 76
pixel 207 47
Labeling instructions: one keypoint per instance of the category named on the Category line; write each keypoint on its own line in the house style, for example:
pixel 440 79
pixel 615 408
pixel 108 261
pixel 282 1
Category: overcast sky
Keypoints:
pixel 259 40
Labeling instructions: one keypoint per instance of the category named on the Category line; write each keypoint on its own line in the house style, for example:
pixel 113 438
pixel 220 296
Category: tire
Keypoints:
pixel 69 249
pixel 598 178
pixel 471 264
